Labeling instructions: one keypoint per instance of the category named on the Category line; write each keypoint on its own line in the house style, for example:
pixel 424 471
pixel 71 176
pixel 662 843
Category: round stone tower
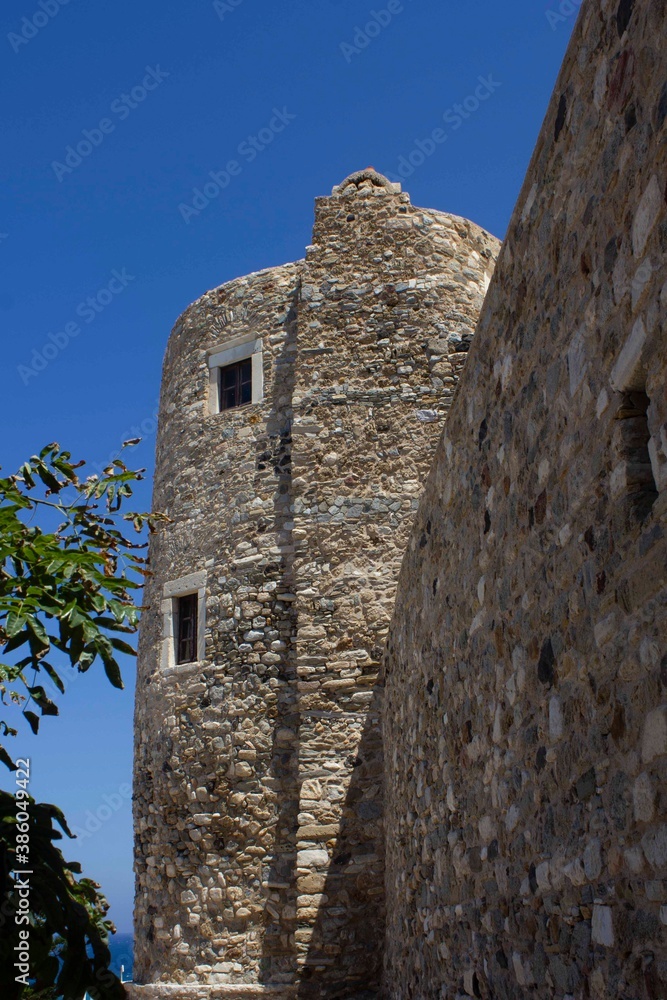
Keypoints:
pixel 299 413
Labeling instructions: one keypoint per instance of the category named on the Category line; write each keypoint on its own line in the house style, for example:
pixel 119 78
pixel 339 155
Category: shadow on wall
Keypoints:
pixel 344 956
pixel 278 960
pixel 336 952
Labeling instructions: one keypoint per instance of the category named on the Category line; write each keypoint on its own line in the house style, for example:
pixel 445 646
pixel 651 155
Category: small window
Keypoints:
pixel 186 636
pixel 236 384
pixel 236 374
pixel 183 609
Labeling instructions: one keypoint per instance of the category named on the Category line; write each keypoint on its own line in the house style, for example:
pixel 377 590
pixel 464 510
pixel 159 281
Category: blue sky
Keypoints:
pixel 100 250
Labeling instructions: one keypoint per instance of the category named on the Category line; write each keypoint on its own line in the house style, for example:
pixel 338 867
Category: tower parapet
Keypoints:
pixel 299 413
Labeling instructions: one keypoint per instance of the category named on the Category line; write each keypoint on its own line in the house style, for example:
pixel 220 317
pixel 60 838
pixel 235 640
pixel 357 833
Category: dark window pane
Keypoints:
pixel 186 629
pixel 236 384
pixel 228 398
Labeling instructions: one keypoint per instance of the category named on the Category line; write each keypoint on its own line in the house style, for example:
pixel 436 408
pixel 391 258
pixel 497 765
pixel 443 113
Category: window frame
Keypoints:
pixel 232 352
pixel 187 586
pixel 185 646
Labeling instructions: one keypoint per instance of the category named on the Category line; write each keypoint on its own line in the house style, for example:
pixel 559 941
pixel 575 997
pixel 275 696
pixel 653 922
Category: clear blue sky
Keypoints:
pixel 218 73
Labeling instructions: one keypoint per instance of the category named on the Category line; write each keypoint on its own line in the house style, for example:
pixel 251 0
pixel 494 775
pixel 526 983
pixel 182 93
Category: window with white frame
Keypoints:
pixel 184 621
pixel 236 374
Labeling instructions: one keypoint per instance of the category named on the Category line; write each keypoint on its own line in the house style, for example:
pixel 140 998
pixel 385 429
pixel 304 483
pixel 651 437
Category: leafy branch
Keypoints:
pixel 69 590
pixel 68 930
pixel 69 579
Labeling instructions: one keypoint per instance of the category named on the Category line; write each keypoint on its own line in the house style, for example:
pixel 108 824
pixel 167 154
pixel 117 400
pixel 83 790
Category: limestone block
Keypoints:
pixel 654 736
pixel 603 926
pixel 646 215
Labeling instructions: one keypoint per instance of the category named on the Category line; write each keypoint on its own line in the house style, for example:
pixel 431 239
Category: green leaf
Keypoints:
pixel 99 602
pixel 38 631
pixel 47 477
pixel 112 625
pixel 16 641
pixel 26 472
pixel 118 610
pixel 33 721
pixel 39 695
pixel 53 674
pixel 15 622
pixel 123 647
pixel 55 813
pixel 85 661
pixel 111 668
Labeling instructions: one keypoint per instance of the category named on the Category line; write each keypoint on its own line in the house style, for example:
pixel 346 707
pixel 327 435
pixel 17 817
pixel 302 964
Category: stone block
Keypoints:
pixel 603 926
pixel 654 735
pixel 312 858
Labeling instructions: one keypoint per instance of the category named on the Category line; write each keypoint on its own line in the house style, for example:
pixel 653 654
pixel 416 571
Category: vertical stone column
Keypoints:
pixel 389 300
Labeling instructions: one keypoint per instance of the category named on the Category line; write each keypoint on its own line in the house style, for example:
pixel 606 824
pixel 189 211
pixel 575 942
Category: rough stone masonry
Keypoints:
pixel 526 680
pixel 258 782
pixel 505 835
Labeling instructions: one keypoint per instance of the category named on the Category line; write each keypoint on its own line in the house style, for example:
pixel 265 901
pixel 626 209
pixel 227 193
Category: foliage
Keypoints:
pixel 67 931
pixel 66 592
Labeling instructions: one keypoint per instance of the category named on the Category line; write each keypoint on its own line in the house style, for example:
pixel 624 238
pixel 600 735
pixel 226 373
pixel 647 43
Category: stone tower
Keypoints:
pixel 300 410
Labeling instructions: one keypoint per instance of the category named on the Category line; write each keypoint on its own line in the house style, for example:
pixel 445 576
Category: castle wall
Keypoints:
pixel 525 722
pixel 258 769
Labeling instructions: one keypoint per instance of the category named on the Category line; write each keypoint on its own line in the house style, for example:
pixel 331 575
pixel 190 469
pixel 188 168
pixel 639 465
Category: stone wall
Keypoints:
pixel 526 679
pixel 258 807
